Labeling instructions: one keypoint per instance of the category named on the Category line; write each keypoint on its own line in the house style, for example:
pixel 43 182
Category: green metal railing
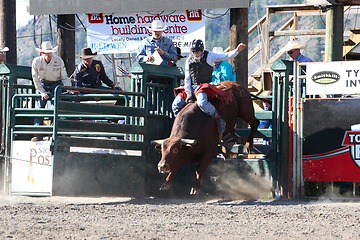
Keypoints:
pixel 88 125
pixel 282 69
pixel 73 123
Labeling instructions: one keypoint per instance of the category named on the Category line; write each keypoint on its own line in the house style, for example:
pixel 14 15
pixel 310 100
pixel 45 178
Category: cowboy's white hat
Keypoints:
pixel 294 44
pixel 46 47
pixel 219 50
pixel 156 25
pixel 5 49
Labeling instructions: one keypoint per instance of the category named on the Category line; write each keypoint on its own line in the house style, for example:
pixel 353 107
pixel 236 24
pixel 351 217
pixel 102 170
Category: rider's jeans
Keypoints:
pixel 178 104
pixel 202 102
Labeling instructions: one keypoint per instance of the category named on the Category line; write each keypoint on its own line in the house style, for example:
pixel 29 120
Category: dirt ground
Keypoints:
pixel 156 218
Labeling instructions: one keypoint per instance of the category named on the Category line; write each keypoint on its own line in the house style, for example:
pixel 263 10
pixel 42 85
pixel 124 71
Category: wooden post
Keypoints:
pixel 8 39
pixel 8 29
pixel 238 34
pixel 266 31
pixel 294 25
pixel 334 33
pixel 66 41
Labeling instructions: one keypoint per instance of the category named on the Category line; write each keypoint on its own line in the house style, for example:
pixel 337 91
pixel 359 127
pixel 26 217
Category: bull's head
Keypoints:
pixel 172 150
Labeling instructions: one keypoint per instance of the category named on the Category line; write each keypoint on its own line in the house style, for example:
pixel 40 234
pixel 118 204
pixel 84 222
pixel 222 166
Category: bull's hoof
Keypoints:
pixel 194 191
pixel 165 187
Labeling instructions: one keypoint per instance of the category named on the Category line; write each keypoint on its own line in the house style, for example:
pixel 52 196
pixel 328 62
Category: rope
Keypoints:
pixel 41 30
pixel 262 99
pixel 51 36
pixel 22 160
pixel 77 16
pixel 34 39
pixel 217 15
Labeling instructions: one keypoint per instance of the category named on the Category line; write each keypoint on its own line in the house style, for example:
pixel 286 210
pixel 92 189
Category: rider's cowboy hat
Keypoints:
pixel 156 25
pixel 218 50
pixel 294 44
pixel 5 49
pixel 46 47
pixel 87 53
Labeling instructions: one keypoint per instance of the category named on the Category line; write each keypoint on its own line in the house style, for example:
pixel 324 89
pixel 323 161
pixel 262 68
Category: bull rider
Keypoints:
pixel 198 69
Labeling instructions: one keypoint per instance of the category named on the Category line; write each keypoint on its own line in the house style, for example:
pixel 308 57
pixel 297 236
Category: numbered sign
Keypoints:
pixel 31 171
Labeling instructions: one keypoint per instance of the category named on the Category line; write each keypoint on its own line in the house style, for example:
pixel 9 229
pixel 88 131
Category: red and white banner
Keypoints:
pixel 122 33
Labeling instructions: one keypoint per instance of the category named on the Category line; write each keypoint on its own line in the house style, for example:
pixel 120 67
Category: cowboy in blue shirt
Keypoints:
pixel 163 45
pixel 223 71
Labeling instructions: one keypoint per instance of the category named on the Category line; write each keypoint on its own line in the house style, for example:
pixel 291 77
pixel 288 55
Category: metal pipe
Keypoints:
pixel 294 117
pixel 301 137
pixel 301 125
pixel 298 132
pixel 114 69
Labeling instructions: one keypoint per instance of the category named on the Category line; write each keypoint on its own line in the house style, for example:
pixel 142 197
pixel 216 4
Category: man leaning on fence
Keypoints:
pixel 90 73
pixel 48 71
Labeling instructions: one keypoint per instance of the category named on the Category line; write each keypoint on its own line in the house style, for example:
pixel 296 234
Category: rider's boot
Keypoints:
pixel 221 123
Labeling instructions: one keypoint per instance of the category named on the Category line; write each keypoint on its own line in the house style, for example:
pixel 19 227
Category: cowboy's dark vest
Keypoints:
pixel 200 71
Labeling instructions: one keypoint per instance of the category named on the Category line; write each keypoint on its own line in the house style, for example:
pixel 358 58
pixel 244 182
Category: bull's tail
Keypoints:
pixel 262 99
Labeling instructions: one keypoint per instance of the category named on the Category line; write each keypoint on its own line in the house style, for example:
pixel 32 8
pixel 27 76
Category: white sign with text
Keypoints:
pixel 122 33
pixel 31 171
pixel 333 77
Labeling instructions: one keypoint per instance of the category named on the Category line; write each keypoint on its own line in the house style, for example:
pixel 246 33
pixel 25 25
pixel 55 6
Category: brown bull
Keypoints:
pixel 194 135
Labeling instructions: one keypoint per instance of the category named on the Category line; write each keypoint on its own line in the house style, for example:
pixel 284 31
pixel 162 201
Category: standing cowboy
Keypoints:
pixel 48 72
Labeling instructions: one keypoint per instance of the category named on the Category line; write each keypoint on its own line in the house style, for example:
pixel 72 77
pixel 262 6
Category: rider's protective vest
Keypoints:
pixel 200 71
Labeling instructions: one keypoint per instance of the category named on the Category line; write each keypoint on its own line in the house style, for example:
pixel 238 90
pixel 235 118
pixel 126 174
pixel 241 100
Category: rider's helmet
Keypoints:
pixel 197 45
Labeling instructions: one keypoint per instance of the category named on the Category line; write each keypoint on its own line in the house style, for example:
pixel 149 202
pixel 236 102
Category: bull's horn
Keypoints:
pixel 187 141
pixel 155 142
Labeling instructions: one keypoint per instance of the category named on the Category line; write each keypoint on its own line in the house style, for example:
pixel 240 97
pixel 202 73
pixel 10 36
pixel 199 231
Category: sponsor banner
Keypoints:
pixel 31 170
pixel 335 167
pixel 340 165
pixel 122 33
pixel 331 140
pixel 333 78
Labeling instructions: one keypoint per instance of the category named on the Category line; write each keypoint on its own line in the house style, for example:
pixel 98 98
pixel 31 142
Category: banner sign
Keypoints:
pixel 122 33
pixel 31 171
pixel 331 140
pixel 333 78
